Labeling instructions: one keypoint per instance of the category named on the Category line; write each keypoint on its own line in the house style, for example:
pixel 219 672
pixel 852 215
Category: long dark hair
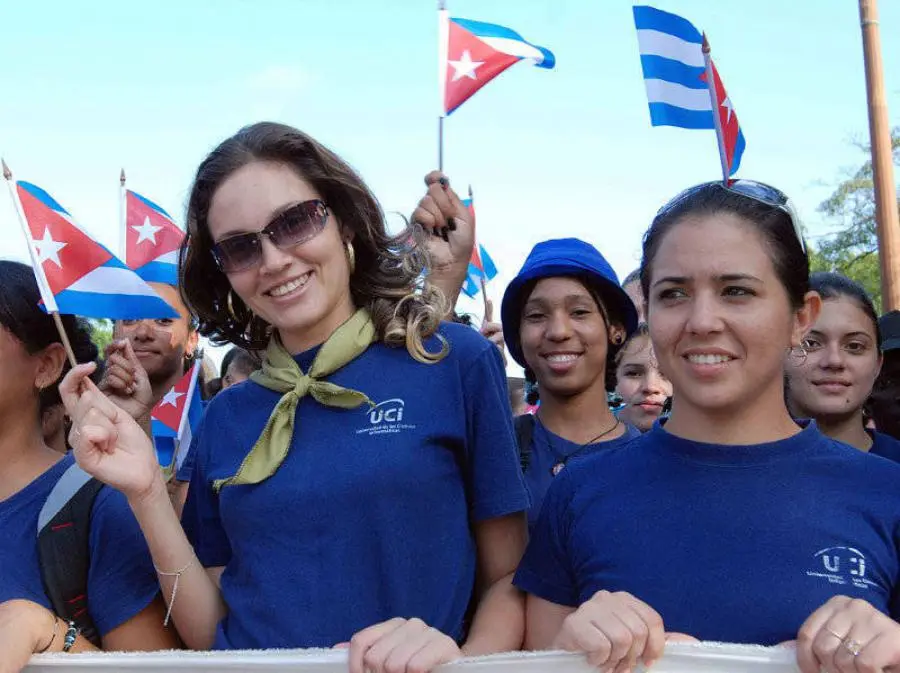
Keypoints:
pixel 832 285
pixel 388 278
pixel 785 250
pixel 21 314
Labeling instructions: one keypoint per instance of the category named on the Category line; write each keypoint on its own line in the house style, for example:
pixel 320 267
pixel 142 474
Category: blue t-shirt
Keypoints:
pixel 368 517
pixel 885 446
pixel 121 579
pixel 728 543
pixel 548 450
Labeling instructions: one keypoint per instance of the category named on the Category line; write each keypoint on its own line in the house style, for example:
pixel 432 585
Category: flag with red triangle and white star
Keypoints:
pixel 175 417
pixel 77 274
pixel 152 240
pixel 472 53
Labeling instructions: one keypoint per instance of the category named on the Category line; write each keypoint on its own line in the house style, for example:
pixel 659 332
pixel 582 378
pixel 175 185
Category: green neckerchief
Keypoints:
pixel 281 372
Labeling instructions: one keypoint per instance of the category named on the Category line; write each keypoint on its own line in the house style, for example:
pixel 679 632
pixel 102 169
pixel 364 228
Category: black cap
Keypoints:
pixel 889 324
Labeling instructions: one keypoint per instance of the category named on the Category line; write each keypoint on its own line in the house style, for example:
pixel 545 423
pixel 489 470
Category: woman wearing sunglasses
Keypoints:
pixel 833 375
pixel 367 474
pixel 729 522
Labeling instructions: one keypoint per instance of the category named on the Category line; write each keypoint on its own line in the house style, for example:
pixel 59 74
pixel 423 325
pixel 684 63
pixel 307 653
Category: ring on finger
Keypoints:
pixel 854 647
pixel 835 634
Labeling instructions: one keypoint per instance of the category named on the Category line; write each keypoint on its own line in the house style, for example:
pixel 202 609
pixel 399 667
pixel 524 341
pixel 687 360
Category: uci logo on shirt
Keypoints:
pixel 841 565
pixel 386 418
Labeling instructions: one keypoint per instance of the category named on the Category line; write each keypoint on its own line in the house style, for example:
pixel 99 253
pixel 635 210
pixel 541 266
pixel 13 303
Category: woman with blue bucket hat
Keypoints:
pixel 565 317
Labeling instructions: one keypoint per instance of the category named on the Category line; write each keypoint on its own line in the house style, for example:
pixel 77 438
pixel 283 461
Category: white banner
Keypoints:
pixel 679 658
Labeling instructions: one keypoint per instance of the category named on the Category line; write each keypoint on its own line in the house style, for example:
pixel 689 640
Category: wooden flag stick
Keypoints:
pixel 714 103
pixel 488 314
pixel 41 279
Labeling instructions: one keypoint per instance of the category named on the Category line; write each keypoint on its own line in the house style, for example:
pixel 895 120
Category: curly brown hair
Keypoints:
pixel 388 279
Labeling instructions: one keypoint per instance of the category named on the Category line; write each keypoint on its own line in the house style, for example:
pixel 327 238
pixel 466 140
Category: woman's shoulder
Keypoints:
pixel 465 343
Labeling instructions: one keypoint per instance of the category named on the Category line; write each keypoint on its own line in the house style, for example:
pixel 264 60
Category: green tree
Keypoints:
pixel 852 250
pixel 101 333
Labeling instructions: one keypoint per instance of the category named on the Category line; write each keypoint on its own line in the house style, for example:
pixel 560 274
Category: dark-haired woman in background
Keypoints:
pixel 831 378
pixel 368 473
pixel 729 522
pixel 123 598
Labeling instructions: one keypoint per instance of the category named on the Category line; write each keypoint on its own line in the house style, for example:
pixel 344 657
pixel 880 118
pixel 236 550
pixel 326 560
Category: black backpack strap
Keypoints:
pixel 63 533
pixel 524 426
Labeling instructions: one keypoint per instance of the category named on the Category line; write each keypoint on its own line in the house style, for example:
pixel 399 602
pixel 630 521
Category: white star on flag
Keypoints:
pixel 48 249
pixel 727 105
pixel 147 231
pixel 465 66
pixel 171 398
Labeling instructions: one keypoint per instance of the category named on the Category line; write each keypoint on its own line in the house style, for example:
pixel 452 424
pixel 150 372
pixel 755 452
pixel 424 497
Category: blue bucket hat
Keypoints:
pixel 564 257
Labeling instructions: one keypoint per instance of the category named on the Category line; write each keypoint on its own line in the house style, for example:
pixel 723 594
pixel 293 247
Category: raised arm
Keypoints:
pixel 109 445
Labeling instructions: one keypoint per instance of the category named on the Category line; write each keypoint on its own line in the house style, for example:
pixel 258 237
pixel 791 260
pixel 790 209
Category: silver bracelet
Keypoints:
pixel 53 637
pixel 177 575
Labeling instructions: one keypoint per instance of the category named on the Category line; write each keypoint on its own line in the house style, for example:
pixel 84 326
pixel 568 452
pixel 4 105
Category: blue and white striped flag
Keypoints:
pixel 677 77
pixel 674 70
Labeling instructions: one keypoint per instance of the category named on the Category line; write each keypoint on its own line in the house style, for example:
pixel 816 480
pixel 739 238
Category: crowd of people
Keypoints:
pixel 710 450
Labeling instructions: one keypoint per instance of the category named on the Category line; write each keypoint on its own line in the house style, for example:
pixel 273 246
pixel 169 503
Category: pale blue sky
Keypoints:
pixel 88 88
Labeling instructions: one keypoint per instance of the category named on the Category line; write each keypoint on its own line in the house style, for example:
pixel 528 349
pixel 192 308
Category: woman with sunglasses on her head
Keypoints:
pixel 368 472
pixel 122 597
pixel 831 378
pixel 729 522
pixel 564 319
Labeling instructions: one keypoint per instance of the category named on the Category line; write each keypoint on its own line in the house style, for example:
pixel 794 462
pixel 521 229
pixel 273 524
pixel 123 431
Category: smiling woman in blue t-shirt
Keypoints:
pixel 833 376
pixel 355 487
pixel 729 522
pixel 565 317
pixel 122 594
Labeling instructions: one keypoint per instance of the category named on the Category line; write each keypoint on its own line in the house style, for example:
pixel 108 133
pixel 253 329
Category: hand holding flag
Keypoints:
pixel 449 248
pixel 125 381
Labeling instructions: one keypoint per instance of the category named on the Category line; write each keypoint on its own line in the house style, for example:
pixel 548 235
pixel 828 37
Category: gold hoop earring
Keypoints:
pixel 230 302
pixel 351 257
pixel 618 339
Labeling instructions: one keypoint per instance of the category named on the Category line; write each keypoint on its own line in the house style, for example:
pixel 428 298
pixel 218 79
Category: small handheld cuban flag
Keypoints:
pixel 174 419
pixel 676 66
pixel 82 277
pixel 152 240
pixel 472 53
pixel 481 267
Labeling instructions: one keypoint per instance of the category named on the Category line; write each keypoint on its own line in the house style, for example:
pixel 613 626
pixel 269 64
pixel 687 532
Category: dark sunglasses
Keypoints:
pixel 298 224
pixel 751 189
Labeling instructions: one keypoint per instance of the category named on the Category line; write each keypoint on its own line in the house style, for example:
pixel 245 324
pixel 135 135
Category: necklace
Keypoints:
pixel 561 460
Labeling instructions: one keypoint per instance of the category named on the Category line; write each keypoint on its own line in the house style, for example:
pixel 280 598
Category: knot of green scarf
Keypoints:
pixel 280 372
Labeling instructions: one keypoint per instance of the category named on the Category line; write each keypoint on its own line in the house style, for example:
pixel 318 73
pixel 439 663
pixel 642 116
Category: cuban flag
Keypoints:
pixel 174 419
pixel 481 266
pixel 82 277
pixel 472 53
pixel 674 66
pixel 152 240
